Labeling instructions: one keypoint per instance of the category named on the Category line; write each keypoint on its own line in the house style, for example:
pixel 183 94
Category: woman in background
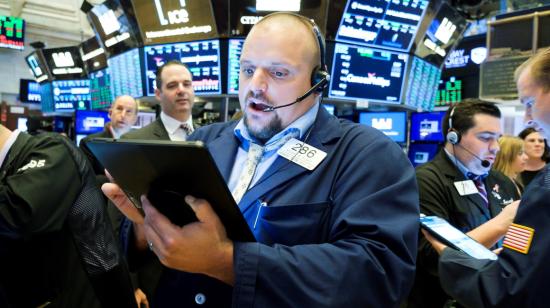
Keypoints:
pixel 511 159
pixel 537 154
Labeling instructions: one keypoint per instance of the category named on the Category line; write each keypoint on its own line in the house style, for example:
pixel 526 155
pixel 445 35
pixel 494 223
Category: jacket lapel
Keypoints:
pixel 224 150
pixel 160 131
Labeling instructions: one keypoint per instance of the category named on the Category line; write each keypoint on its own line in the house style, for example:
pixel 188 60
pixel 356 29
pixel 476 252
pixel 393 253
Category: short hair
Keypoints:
pixel 539 67
pixel 510 148
pixel 464 112
pixel 136 104
pixel 528 131
pixel 161 68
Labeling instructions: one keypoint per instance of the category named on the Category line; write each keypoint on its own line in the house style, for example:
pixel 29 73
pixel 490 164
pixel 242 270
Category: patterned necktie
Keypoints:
pixel 482 192
pixel 186 128
pixel 255 152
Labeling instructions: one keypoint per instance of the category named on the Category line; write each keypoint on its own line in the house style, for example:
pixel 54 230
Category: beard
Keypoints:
pixel 264 133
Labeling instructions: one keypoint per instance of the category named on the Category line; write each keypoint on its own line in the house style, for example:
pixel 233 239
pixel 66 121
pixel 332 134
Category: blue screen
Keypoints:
pixel 422 85
pixel 392 124
pixel 89 122
pixel 202 58
pixel 381 23
pixel 233 65
pixel 46 97
pixel 71 94
pixel 125 70
pixel 426 126
pixel 367 73
pixel 420 153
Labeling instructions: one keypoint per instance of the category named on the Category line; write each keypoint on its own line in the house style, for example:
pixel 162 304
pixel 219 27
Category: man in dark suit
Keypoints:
pixel 123 115
pixel 176 97
pixel 458 186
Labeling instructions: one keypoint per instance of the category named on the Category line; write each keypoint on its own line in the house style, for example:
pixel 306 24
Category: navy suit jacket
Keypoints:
pixel 341 235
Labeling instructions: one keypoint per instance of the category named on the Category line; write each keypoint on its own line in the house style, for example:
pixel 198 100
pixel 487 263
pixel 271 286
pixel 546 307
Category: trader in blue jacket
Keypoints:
pixel 333 205
pixel 518 278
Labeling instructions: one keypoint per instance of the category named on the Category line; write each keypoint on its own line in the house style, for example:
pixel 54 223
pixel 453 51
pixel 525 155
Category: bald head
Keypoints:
pixel 123 113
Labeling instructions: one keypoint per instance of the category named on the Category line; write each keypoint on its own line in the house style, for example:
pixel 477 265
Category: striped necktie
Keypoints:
pixel 482 192
pixel 186 128
pixel 255 152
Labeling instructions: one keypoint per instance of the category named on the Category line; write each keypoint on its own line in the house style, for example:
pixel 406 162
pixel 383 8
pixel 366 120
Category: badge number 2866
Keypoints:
pixel 302 153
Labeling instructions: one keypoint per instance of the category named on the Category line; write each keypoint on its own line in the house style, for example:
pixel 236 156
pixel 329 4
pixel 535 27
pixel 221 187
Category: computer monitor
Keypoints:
pixel 367 73
pixel 427 126
pixel 201 57
pixel 69 95
pixel 29 91
pixel 421 153
pixel 125 71
pixel 422 84
pixel 233 65
pixel 380 23
pixel 90 121
pixel 392 124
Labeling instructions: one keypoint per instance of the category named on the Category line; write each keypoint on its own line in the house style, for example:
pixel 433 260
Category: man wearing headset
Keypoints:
pixel 458 186
pixel 333 228
pixel 518 277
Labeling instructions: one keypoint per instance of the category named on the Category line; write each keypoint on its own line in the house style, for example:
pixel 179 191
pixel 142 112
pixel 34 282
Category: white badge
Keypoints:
pixel 466 187
pixel 302 153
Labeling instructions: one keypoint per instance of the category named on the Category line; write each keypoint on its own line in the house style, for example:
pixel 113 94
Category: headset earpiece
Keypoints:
pixel 319 75
pixel 453 136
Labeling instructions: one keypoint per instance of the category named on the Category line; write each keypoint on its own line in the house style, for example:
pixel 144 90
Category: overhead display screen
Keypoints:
pixel 233 65
pixel 29 91
pixel 422 85
pixel 114 28
pixel 392 124
pixel 168 21
pixel 64 63
pixel 125 70
pixel 361 73
pixel 100 89
pixel 38 67
pixel 388 24
pixel 70 95
pixel 202 58
pixel 427 126
pixel 243 14
pixel 443 32
pixel 92 55
pixel 12 32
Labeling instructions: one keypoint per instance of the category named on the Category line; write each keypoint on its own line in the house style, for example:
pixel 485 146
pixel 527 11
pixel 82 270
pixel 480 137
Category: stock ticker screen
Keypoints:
pixel 125 70
pixel 12 32
pixel 422 85
pixel 390 24
pixel 71 95
pixel 234 66
pixel 202 58
pixel 100 89
pixel 367 73
pixel 449 92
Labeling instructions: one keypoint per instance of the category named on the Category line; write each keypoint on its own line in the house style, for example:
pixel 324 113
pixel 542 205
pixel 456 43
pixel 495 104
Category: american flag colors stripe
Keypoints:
pixel 519 238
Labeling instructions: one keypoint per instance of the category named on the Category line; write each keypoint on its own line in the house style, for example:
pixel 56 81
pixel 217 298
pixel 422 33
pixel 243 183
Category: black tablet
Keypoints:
pixel 167 171
pixel 452 237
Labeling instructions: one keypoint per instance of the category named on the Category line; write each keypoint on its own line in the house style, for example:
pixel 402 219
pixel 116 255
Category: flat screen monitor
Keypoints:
pixel 233 65
pixel 167 21
pixel 126 77
pixel 367 73
pixel 46 97
pixel 202 58
pixel 64 63
pixel 29 91
pixel 381 23
pixel 243 14
pixel 421 153
pixel 392 124
pixel 422 84
pixel 90 121
pixel 12 32
pixel 449 91
pixel 37 64
pixel 115 29
pixel 100 89
pixel 93 55
pixel 442 34
pixel 427 126
pixel 69 95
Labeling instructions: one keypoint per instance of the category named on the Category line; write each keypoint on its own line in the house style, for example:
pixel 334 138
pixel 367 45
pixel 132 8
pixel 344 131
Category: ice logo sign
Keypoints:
pixel 178 16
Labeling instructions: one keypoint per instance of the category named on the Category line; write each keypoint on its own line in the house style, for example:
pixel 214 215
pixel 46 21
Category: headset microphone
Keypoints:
pixel 316 86
pixel 484 163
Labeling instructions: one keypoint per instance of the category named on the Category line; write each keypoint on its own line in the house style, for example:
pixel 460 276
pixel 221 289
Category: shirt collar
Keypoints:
pixel 172 124
pixel 7 146
pixel 467 174
pixel 302 124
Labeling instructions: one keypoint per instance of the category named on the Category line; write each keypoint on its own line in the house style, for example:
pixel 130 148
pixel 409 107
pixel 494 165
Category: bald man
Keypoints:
pixel 332 231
